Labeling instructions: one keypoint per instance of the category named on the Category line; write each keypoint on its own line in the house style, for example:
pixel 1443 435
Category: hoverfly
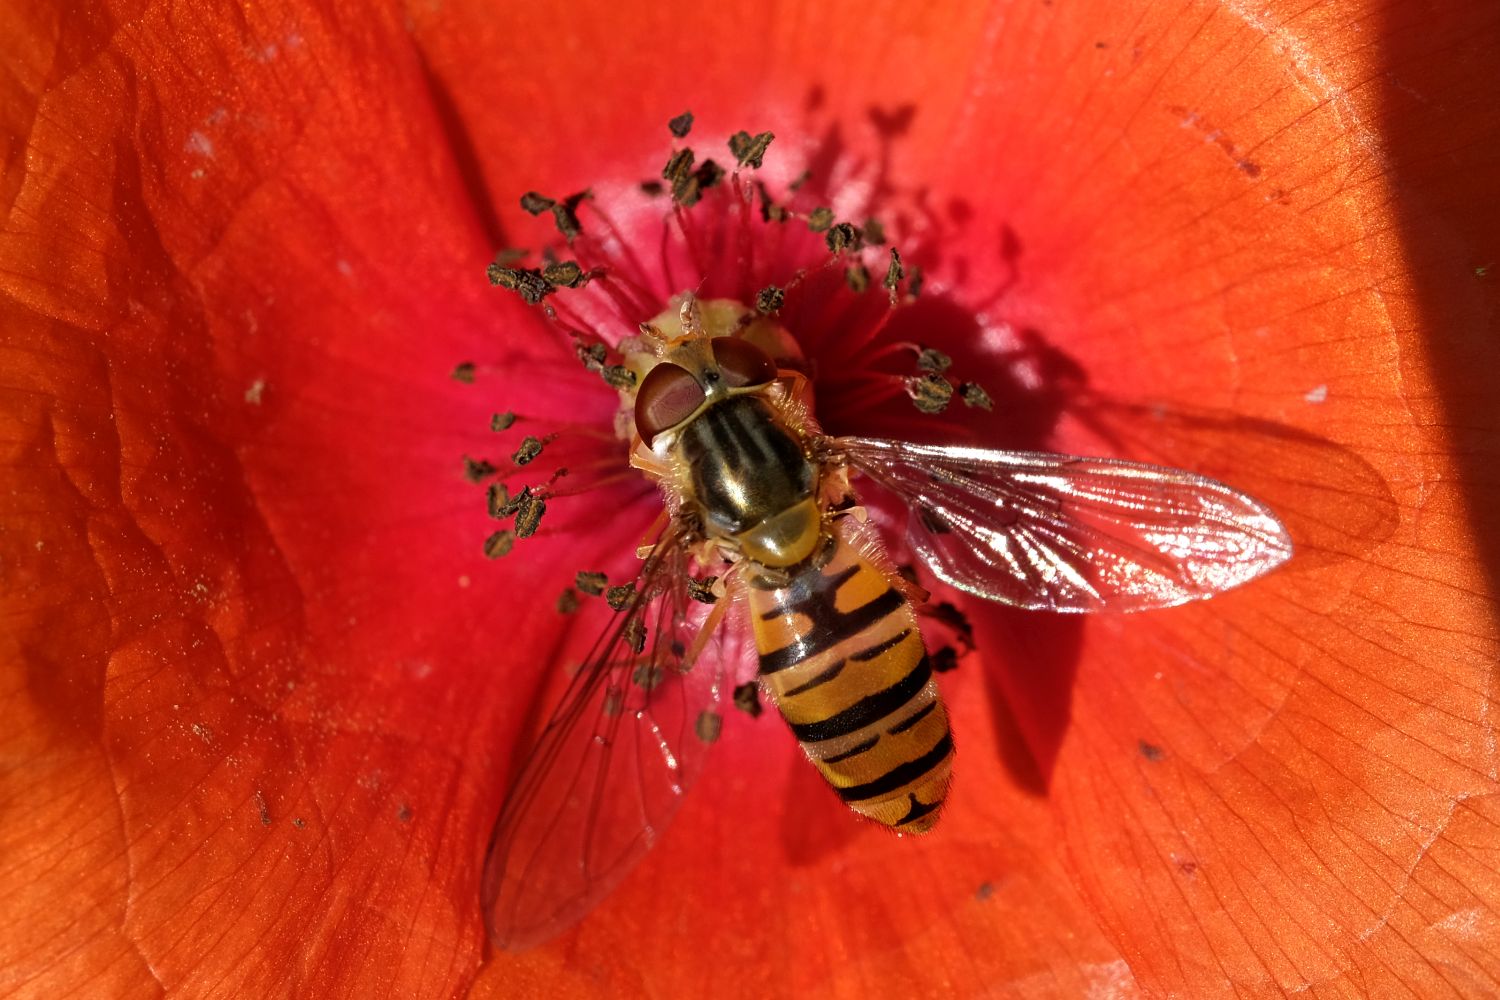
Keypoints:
pixel 759 498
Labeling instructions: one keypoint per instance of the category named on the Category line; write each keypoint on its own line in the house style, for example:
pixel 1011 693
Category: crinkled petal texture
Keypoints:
pixel 263 692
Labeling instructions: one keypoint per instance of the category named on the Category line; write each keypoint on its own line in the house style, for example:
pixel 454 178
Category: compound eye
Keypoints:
pixel 668 395
pixel 742 362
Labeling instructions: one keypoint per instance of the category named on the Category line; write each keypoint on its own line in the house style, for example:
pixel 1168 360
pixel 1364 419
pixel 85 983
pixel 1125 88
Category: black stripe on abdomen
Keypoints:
pixel 829 626
pixel 867 710
pixel 901 774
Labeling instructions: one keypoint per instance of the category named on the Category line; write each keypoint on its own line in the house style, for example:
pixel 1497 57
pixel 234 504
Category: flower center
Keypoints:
pixel 806 274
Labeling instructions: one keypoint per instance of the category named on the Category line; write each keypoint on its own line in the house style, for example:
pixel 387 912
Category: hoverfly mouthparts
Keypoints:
pixel 759 508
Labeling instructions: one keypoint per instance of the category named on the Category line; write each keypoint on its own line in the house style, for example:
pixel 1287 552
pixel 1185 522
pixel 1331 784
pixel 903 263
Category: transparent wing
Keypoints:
pixel 613 762
pixel 1062 533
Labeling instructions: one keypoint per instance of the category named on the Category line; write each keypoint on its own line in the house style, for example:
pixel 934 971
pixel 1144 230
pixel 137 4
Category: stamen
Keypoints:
pixel 842 237
pixel 973 394
pixel 930 393
pixel 478 470
pixel 618 597
pixel 749 149
pixel 526 282
pixel 529 514
pixel 499 544
pixel 531 447
pixel 857 277
pixel 497 500
pixel 769 300
pixel 930 359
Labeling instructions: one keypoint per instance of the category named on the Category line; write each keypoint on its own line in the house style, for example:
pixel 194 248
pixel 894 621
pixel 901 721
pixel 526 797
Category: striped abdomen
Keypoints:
pixel 841 656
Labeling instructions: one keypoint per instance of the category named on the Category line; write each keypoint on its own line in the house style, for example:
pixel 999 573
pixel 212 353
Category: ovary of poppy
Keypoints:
pixel 263 689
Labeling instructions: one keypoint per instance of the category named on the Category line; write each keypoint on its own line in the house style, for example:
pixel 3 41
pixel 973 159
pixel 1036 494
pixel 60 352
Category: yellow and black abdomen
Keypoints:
pixel 841 656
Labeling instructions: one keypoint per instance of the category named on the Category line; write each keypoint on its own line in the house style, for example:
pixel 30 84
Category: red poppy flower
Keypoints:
pixel 264 691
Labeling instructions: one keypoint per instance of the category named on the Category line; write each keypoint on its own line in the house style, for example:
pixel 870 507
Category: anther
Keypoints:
pixel 747 699
pixel 930 359
pixel 497 499
pixel 590 583
pixel 618 597
pixel 930 393
pixel 894 273
pixel 476 470
pixel 526 282
pixel 530 448
pixel 857 277
pixel 841 237
pixel 749 150
pixel 973 394
pixel 529 511
pixel 769 299
pixel 499 544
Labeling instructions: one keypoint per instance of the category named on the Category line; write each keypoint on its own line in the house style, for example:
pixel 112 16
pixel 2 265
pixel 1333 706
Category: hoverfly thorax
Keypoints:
pixel 710 410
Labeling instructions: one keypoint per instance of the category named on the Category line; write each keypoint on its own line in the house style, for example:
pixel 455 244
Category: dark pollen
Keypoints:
pixel 681 125
pixel 502 421
pixel 619 597
pixel 930 393
pixel 497 498
pixel 536 204
pixel 747 699
pixel 590 583
pixel 895 272
pixel 530 448
pixel 769 299
pixel 476 470
pixel 841 237
pixel 529 511
pixel 973 394
pixel 526 282
pixel 565 274
pixel 592 356
pixel 930 359
pixel 857 277
pixel 499 544
pixel 618 376
pixel 769 210
pixel 749 150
